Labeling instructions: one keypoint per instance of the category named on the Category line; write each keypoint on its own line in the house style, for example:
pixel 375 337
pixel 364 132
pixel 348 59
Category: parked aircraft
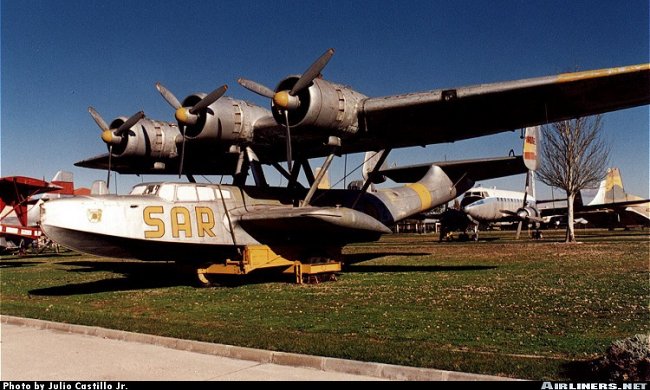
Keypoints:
pixel 612 207
pixel 311 116
pixel 235 229
pixel 488 206
pixel 19 208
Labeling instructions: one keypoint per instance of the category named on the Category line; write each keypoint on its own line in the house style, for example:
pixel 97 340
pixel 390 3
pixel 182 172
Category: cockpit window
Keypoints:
pixel 138 190
pixel 205 194
pixel 186 193
pixel 151 189
pixel 221 193
pixel 166 192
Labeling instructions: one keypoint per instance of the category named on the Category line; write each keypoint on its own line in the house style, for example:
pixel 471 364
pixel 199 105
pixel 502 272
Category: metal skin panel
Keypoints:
pixel 434 189
pixel 472 111
pixel 142 218
pixel 148 138
pixel 325 109
pixel 140 227
pixel 228 121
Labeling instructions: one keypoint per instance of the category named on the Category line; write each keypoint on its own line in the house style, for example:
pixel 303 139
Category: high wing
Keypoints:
pixel 203 164
pixel 446 115
pixel 475 169
pixel 15 191
pixel 459 113
pixel 321 114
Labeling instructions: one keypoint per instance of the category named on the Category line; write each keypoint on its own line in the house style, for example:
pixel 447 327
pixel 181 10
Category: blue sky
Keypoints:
pixel 59 57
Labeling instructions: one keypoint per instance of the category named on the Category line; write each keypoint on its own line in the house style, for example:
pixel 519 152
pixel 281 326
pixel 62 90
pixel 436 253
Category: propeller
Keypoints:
pixel 113 136
pixel 189 115
pixel 521 220
pixel 286 100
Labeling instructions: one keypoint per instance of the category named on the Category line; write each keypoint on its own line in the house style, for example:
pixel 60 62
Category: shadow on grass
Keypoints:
pixel 416 268
pixel 128 276
pixel 38 256
pixel 467 240
pixel 354 258
pixel 17 264
pixel 148 275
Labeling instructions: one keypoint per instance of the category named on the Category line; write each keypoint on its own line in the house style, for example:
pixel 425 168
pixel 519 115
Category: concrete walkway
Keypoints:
pixel 43 350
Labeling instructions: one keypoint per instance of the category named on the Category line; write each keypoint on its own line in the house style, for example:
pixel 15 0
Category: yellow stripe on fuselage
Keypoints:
pixel 423 194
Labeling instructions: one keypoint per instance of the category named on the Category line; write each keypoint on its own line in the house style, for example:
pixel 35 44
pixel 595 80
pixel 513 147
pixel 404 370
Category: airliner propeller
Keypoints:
pixel 187 116
pixel 113 136
pixel 287 100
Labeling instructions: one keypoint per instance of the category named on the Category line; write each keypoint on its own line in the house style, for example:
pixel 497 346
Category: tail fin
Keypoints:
pixel 531 156
pixel 611 189
pixel 531 160
pixel 65 180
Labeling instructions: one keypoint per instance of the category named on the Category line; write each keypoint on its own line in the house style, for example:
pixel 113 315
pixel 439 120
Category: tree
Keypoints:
pixel 574 157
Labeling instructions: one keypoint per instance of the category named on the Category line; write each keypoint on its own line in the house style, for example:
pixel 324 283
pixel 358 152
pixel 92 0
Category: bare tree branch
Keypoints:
pixel 574 157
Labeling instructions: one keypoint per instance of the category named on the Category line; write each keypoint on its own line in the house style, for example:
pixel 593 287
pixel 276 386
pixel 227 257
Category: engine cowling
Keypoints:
pixel 226 122
pixel 526 213
pixel 147 137
pixel 326 106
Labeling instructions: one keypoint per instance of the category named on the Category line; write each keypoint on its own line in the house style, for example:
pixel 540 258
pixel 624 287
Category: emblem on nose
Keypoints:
pixel 94 215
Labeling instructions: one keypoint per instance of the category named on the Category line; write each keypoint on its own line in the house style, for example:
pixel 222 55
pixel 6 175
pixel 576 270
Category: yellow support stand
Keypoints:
pixel 262 256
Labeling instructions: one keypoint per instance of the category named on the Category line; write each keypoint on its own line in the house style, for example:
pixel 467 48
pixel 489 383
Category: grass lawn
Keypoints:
pixel 525 309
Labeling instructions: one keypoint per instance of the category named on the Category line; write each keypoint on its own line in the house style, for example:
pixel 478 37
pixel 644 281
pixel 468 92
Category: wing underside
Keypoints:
pixel 475 169
pixel 211 164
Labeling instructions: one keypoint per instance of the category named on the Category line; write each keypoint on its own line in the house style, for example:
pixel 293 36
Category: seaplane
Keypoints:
pixel 237 228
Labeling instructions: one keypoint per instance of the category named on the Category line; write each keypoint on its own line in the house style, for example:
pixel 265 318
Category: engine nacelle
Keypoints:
pixel 226 122
pixel 147 137
pixel 527 212
pixel 324 105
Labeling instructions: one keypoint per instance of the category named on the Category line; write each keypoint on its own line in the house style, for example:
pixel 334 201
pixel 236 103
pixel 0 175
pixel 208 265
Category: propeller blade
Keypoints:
pixel 169 97
pixel 289 157
pixel 312 72
pixel 108 175
pixel 519 225
pixel 129 123
pixel 180 169
pixel 518 229
pixel 256 87
pixel 211 98
pixel 98 119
